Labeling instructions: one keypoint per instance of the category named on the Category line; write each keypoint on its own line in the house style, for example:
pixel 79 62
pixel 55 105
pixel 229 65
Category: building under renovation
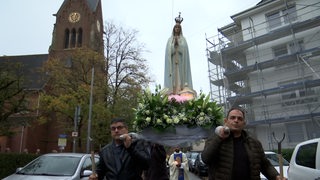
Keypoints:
pixel 268 61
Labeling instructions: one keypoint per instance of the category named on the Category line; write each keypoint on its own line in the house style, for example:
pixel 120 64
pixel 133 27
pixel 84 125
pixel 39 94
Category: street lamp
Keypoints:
pixel 90 113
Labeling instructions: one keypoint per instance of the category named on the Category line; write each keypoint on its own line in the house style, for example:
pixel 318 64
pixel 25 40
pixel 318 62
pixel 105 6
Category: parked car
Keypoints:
pixel 52 166
pixel 274 160
pixel 191 160
pixel 200 167
pixel 305 161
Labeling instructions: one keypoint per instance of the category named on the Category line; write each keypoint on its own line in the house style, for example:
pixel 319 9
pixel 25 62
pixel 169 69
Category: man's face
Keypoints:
pixel 235 121
pixel 118 129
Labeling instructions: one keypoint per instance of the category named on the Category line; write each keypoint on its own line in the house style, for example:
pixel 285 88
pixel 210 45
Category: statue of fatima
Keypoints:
pixel 177 71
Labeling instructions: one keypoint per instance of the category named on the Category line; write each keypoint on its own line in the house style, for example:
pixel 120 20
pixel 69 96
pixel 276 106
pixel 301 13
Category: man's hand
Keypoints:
pixel 127 140
pixel 222 131
pixel 177 163
pixel 93 176
pixel 279 178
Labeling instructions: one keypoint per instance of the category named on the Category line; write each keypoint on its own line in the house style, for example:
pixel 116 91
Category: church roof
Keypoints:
pixel 93 4
pixel 31 66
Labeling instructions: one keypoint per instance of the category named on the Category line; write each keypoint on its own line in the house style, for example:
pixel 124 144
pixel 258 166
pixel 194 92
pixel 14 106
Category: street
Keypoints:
pixel 192 176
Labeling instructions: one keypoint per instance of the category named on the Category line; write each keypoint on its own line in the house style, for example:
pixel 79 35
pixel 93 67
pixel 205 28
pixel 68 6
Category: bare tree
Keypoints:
pixel 127 71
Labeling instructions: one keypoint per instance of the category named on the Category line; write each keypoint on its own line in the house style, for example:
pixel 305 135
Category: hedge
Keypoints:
pixel 9 162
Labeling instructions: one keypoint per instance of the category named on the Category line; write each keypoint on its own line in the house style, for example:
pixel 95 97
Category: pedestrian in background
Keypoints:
pixel 158 165
pixel 178 164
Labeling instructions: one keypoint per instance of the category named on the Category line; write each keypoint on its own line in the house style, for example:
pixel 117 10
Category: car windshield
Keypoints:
pixel 274 160
pixel 52 166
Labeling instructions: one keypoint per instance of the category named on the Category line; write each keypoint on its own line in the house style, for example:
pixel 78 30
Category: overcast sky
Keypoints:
pixel 27 25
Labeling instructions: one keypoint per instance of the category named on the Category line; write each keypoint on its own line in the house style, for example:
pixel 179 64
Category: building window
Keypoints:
pixel 284 16
pixel 305 95
pixel 274 20
pixel 290 95
pixel 66 38
pixel 313 129
pixel 280 50
pixel 295 132
pixel 296 47
pixel 73 38
pixel 290 14
pixel 290 48
pixel 79 43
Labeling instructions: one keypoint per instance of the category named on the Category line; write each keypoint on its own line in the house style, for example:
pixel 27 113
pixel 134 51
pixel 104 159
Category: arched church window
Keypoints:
pixel 73 38
pixel 79 42
pixel 66 38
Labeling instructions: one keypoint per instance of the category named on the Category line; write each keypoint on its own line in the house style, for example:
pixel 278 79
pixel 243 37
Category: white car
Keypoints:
pixel 67 166
pixel 305 161
pixel 274 160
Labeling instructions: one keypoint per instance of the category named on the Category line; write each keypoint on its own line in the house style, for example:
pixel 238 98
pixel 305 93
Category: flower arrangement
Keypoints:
pixel 162 111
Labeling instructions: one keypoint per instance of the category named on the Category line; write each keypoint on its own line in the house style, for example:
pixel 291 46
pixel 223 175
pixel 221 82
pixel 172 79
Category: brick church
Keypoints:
pixel 79 23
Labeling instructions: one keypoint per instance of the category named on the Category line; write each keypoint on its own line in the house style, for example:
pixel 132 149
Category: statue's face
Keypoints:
pixel 177 29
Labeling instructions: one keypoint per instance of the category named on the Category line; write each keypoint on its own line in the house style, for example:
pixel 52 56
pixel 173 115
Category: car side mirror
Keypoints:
pixel 18 169
pixel 86 173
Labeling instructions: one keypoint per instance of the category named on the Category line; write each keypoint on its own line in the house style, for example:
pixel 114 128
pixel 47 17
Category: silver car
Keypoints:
pixel 62 166
pixel 274 160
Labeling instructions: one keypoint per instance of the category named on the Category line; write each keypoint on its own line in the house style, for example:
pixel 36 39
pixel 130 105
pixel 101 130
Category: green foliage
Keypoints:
pixel 9 162
pixel 70 86
pixel 287 153
pixel 161 111
pixel 12 94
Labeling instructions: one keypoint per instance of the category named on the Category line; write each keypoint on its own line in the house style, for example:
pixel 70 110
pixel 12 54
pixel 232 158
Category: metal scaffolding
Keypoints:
pixel 273 72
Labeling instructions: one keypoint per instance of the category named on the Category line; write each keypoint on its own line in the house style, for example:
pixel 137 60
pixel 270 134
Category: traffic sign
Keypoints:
pixel 74 134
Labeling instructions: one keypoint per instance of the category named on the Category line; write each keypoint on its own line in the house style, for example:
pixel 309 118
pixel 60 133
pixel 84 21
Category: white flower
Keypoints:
pixel 159 121
pixel 147 112
pixel 169 121
pixel 176 120
pixel 156 110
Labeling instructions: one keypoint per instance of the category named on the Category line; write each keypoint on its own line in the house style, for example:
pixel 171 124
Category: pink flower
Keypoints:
pixel 178 98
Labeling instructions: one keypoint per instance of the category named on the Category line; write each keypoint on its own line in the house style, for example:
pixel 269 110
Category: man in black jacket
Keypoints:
pixel 157 167
pixel 232 154
pixel 123 158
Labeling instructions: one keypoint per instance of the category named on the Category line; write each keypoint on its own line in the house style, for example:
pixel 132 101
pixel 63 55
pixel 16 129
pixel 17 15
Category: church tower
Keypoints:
pixel 78 25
